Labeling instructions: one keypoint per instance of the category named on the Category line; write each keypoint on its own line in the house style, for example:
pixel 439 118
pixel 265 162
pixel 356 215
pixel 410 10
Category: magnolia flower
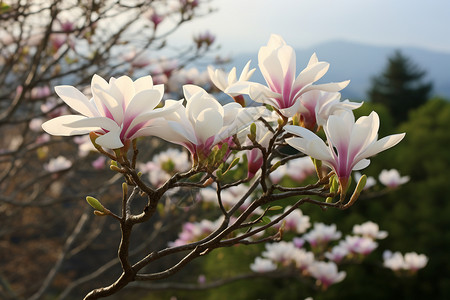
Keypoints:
pixel 262 265
pixel 393 261
pixel 409 262
pixel 192 232
pixel 316 106
pixel 300 168
pixel 277 63
pixel 204 122
pixel 337 253
pixel 370 229
pixel 224 81
pixel 321 234
pixel 281 252
pixel 359 245
pixel 118 112
pixel 295 221
pixel 391 178
pixel 414 261
pixel 302 258
pixel 327 273
pixel 58 164
pixel 350 143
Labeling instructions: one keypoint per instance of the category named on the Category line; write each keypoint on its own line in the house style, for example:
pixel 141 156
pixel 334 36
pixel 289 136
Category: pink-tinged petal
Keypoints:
pixel 126 87
pixel 142 102
pixel 143 83
pixel 327 87
pixel 382 144
pixel 76 100
pixel 180 134
pixel 310 143
pixel 98 83
pixel 262 94
pixel 155 127
pixel 310 75
pixel 365 132
pixel 140 120
pixel 57 126
pixel 208 123
pixel 338 131
pixel 96 122
pixel 314 148
pixel 272 72
pixel 292 110
pixel 110 140
pixel 113 109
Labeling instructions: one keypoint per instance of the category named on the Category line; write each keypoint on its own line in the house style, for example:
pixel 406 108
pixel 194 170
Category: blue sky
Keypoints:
pixel 245 25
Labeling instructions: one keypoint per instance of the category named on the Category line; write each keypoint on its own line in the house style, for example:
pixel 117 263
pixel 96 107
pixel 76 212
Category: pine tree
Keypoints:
pixel 400 87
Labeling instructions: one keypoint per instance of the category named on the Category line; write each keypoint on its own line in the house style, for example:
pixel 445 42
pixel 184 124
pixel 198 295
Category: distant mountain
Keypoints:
pixel 360 62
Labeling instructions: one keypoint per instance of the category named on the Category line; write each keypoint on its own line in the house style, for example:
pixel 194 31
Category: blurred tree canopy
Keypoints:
pixel 400 86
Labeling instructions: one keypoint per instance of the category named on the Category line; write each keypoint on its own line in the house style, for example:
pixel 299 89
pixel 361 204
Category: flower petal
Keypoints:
pixel 208 123
pixel 57 126
pixel 143 83
pixel 382 144
pixel 110 140
pixel 96 122
pixel 76 100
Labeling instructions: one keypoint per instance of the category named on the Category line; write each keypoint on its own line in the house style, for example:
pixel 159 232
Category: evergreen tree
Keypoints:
pixel 400 87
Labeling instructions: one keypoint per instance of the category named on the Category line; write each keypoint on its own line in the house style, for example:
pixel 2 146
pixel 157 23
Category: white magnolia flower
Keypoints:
pixel 370 229
pixel 204 122
pixel 327 273
pixel 391 178
pixel 316 106
pixel 58 164
pixel 224 81
pixel 262 265
pixel 277 62
pixel 300 168
pixel 295 221
pixel 350 143
pixel 393 261
pixel 322 234
pixel 281 252
pixel 359 245
pixel 337 253
pixel 119 111
pixel 414 261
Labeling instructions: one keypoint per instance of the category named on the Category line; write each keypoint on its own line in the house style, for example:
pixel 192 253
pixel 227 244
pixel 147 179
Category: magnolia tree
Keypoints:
pixel 223 184
pixel 263 128
pixel 44 44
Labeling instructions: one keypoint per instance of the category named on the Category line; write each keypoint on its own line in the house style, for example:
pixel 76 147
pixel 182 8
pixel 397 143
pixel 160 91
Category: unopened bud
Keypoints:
pixel 95 204
pixel 361 184
pixel 252 132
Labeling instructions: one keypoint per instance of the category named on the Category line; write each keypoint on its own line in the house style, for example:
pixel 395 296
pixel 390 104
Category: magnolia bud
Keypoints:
pixel 95 204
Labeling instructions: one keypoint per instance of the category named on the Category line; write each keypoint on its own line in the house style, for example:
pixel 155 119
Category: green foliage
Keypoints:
pixel 400 86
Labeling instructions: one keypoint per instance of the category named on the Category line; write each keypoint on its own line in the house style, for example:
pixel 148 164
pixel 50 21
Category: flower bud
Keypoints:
pixel 95 204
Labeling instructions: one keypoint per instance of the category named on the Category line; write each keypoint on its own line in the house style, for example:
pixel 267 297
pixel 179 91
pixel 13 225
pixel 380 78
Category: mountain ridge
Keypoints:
pixel 360 62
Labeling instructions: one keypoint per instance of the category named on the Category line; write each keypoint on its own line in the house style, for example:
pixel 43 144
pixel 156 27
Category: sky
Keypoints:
pixel 245 25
